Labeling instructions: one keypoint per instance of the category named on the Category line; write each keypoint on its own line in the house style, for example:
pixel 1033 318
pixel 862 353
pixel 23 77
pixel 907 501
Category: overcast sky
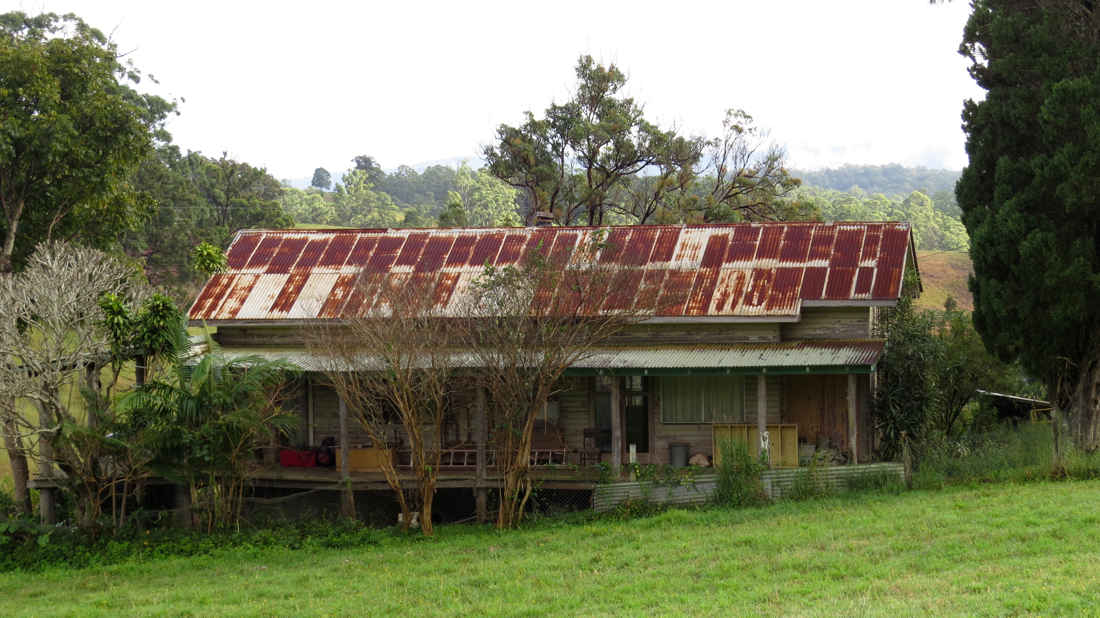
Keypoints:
pixel 298 85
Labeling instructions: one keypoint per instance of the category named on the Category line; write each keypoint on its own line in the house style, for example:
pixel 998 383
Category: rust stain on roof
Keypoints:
pixel 745 269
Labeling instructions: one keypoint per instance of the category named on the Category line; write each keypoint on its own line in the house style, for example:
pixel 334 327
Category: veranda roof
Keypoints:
pixel 786 357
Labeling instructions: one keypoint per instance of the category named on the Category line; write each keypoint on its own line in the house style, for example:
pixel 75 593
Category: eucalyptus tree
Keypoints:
pixel 598 154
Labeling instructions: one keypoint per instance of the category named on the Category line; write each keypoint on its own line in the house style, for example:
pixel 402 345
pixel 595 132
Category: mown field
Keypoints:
pixel 988 550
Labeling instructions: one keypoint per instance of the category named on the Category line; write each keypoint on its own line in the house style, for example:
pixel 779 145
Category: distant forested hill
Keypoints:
pixel 924 197
pixel 892 179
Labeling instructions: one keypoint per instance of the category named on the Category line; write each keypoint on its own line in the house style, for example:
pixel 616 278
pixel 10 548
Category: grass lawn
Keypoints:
pixel 993 550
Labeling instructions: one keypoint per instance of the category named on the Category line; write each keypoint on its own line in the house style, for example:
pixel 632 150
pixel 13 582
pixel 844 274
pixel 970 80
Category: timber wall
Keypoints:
pixel 829 323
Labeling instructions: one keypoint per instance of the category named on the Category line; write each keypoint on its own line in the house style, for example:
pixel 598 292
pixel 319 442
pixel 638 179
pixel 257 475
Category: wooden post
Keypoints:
pixel 762 413
pixel 345 471
pixel 47 500
pixel 633 462
pixel 482 436
pixel 853 446
pixel 345 466
pixel 616 428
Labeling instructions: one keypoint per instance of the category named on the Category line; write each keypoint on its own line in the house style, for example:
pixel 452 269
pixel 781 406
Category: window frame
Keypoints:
pixel 739 381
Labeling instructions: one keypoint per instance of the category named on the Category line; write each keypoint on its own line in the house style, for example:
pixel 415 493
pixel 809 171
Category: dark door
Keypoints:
pixel 635 411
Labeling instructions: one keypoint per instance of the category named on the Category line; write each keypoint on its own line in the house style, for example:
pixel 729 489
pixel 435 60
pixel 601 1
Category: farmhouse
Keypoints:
pixel 771 334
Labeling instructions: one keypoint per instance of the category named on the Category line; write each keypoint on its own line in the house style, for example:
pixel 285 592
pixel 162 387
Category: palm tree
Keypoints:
pixel 204 418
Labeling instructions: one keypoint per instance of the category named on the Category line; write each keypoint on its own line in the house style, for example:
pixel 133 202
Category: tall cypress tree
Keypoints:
pixel 1031 195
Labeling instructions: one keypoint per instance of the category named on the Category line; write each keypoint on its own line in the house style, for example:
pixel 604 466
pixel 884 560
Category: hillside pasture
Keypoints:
pixel 943 273
pixel 986 550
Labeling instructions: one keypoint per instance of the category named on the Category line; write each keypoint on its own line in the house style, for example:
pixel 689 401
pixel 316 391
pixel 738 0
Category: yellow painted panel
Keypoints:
pixel 783 440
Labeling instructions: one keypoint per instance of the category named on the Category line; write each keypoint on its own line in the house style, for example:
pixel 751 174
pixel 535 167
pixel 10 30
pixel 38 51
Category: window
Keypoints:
pixel 703 399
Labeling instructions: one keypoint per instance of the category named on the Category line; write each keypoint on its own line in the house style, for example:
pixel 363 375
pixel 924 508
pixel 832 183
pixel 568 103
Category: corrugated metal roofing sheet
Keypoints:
pixel 795 353
pixel 790 353
pixel 747 269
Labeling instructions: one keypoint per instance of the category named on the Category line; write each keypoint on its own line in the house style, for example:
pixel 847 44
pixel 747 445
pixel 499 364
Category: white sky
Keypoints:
pixel 299 85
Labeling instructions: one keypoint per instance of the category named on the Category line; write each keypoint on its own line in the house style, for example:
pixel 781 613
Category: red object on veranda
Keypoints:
pixel 298 459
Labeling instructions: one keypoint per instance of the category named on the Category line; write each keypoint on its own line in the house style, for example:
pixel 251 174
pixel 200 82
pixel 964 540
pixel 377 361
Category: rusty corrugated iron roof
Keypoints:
pixel 792 356
pixel 737 270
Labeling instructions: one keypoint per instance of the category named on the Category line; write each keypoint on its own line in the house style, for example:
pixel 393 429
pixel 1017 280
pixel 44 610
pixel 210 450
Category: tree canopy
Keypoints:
pixel 72 131
pixel 321 179
pixel 890 179
pixel 936 225
pixel 596 159
pixel 1029 195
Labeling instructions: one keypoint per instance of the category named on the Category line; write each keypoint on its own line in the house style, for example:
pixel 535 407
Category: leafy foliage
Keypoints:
pixel 359 205
pixel 936 225
pixel 321 179
pixel 72 132
pixel 208 259
pixel 29 548
pixel 890 179
pixel 596 159
pixel 1029 195
pixel 203 421
pixel 738 481
pixel 930 372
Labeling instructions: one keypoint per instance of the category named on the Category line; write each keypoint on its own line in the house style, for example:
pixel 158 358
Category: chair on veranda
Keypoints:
pixel 590 450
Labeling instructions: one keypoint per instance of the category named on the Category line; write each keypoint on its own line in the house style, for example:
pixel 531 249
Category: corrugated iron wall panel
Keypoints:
pixel 756 269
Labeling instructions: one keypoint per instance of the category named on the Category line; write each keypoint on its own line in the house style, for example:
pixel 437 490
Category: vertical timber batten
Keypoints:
pixel 853 445
pixel 616 427
pixel 482 437
pixel 345 458
pixel 761 409
pixel 309 412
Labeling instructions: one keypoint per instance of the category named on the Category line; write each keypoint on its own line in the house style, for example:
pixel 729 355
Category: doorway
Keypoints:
pixel 635 412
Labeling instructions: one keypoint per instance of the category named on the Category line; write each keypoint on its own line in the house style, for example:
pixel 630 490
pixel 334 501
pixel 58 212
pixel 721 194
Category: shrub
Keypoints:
pixel 808 483
pixel 1004 454
pixel 738 482
pixel 875 480
pixel 29 547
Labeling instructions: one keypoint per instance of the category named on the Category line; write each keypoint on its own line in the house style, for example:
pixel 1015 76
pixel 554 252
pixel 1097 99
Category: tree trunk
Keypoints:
pixel 427 489
pixel 1082 412
pixel 20 471
pixel 9 238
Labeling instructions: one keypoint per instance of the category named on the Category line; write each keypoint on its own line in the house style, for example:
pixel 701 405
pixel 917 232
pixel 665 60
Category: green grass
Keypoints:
pixel 943 273
pixel 986 550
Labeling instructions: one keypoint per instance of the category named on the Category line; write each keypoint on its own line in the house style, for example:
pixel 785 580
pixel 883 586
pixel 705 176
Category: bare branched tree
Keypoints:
pixel 395 359
pixel 53 340
pixel 529 323
pixel 747 177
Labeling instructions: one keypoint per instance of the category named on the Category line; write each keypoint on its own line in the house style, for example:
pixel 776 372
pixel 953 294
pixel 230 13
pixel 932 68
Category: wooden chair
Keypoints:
pixel 590 451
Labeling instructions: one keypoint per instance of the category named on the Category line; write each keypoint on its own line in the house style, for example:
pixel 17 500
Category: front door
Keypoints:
pixel 635 413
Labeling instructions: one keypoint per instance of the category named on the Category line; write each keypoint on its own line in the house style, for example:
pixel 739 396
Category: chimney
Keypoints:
pixel 543 219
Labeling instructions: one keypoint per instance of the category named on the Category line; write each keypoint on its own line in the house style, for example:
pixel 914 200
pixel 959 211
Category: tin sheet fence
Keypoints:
pixel 777 484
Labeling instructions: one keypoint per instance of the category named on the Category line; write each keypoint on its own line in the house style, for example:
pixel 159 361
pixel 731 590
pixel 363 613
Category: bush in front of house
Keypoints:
pixel 26 546
pixel 738 476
